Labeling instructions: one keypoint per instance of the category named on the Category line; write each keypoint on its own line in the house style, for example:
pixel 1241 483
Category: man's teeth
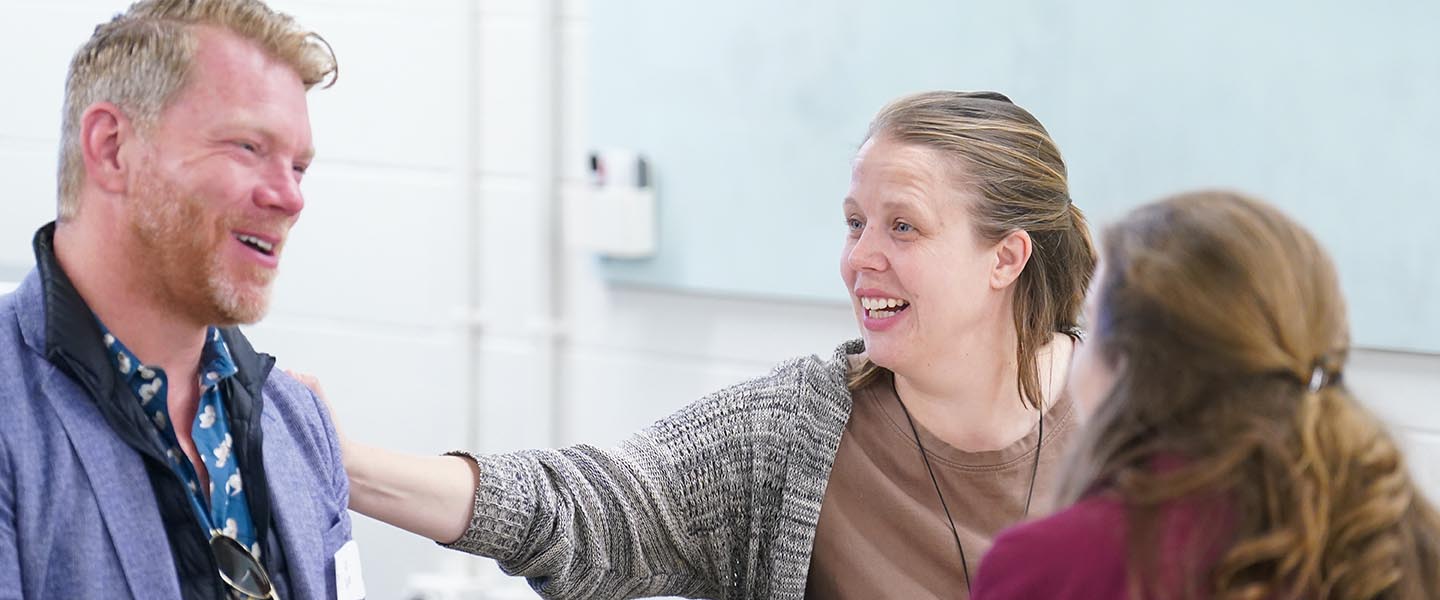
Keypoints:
pixel 257 242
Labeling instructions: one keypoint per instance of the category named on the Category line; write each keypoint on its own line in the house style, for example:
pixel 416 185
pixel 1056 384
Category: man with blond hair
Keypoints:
pixel 146 449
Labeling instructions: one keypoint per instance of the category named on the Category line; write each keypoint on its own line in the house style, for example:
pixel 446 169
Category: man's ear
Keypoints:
pixel 1012 253
pixel 104 129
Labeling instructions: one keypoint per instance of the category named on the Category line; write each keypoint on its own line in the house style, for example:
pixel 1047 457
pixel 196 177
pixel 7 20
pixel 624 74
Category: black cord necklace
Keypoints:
pixel 1034 470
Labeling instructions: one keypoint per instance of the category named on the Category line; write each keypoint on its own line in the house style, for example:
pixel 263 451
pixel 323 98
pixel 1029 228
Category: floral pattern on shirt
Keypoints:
pixel 222 508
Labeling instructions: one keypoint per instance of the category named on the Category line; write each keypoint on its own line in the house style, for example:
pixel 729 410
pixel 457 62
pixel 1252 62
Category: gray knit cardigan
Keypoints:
pixel 719 500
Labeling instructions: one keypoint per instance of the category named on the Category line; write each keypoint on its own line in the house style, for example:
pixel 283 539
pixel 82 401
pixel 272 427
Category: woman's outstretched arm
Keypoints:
pixel 425 495
pixel 430 496
pixel 584 522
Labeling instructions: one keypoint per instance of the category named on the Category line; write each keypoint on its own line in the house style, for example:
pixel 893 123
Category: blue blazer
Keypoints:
pixel 78 515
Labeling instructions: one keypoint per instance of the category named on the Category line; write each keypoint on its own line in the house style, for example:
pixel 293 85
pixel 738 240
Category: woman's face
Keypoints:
pixel 919 276
pixel 1091 377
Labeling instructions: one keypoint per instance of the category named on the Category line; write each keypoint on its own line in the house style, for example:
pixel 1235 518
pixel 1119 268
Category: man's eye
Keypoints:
pixel 854 224
pixel 903 228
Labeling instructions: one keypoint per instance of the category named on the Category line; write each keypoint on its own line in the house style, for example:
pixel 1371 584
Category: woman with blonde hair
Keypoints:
pixel 1223 455
pixel 882 471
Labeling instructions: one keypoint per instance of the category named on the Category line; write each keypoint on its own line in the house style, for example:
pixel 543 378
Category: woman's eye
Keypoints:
pixel 903 227
pixel 248 147
pixel 854 224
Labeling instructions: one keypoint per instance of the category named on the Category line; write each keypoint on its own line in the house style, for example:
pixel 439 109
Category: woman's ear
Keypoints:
pixel 1012 252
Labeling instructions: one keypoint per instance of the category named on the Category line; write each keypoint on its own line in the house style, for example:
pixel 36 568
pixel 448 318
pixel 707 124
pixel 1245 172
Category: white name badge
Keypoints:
pixel 349 583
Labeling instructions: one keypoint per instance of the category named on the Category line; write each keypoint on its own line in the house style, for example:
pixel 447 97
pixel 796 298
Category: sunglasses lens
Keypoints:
pixel 239 568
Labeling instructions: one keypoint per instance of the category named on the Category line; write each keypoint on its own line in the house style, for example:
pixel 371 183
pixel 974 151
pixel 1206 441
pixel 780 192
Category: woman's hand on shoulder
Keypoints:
pixel 313 383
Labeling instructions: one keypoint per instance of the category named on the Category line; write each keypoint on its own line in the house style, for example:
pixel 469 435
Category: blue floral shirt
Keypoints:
pixel 228 511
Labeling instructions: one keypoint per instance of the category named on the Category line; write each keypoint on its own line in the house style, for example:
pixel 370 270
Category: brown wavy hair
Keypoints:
pixel 1005 153
pixel 1224 322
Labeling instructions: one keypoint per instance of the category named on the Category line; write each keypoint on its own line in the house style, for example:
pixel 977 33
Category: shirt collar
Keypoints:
pixel 215 362
pixel 216 365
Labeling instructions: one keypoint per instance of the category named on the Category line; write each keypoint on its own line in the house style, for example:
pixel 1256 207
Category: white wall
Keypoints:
pixel 428 283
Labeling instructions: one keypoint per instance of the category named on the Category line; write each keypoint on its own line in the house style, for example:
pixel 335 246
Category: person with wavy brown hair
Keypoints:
pixel 1224 456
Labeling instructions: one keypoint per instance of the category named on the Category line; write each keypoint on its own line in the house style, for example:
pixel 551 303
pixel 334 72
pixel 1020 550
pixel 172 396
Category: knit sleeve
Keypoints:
pixel 668 512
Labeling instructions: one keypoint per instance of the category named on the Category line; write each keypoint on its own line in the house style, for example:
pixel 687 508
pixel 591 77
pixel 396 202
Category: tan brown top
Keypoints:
pixel 882 533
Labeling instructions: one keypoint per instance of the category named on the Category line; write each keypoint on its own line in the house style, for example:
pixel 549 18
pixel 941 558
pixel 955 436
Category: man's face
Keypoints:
pixel 217 183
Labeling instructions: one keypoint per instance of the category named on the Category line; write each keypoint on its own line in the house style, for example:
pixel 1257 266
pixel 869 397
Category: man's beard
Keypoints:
pixel 185 256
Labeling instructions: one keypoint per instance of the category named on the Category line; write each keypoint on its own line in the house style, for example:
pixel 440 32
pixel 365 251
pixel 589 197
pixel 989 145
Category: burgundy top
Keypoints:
pixel 1081 553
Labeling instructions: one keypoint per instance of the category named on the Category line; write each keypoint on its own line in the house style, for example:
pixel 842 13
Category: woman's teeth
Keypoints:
pixel 883 308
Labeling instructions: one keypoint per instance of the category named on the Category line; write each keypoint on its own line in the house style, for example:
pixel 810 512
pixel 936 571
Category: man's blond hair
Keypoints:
pixel 141 59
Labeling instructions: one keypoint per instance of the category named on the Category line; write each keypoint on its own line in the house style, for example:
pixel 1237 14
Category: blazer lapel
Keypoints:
pixel 295 520
pixel 122 490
